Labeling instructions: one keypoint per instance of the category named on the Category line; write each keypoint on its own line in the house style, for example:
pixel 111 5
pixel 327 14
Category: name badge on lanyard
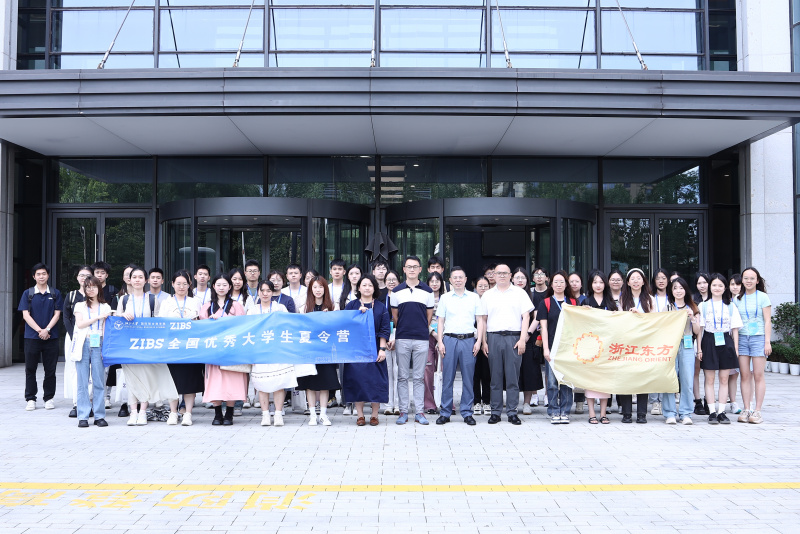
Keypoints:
pixel 687 342
pixel 94 340
pixel 719 338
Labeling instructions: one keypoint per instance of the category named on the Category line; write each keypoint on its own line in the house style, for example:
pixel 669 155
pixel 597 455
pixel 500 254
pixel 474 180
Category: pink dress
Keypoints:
pixel 223 385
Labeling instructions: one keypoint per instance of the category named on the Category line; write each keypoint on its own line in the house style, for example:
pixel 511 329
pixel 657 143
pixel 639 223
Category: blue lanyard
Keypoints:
pixel 658 305
pixel 721 313
pixel 223 308
pixel 557 303
pixel 205 294
pixel 133 299
pixel 180 310
pixel 239 297
pixel 638 303
pixel 261 307
pixel 252 292
pixel 745 306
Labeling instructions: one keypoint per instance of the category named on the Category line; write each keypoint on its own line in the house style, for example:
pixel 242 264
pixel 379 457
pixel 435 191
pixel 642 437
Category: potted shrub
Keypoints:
pixel 793 356
pixel 786 320
pixel 780 352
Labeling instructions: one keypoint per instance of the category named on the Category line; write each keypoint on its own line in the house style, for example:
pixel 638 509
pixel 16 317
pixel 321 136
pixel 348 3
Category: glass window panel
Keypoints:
pixel 114 61
pixel 126 241
pixel 568 179
pixel 322 3
pixel 546 3
pixel 653 62
pixel 285 247
pixel 185 61
pixel 630 242
pixel 70 31
pixel 31 33
pixel 319 60
pixel 796 48
pixel 433 29
pixel 99 3
pixel 33 3
pixel 443 59
pixel 538 29
pixel 177 242
pixel 678 245
pixel 322 29
pixel 180 178
pixel 724 253
pixel 577 241
pixel 795 11
pixel 723 4
pixel 546 61
pixel 408 178
pixel 76 245
pixel 337 239
pixel 655 4
pixel 724 64
pixel 722 33
pixel 31 63
pixel 654 31
pixel 349 179
pixel 211 29
pixel 228 3
pixel 419 237
pixel 85 181
pixel 647 181
pixel 436 3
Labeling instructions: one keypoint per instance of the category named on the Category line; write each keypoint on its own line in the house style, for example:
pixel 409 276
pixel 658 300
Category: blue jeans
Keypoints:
pixel 457 353
pixel 684 366
pixel 559 397
pixel 93 357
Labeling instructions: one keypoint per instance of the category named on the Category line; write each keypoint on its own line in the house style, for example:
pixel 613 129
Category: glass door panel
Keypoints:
pixel 577 242
pixel 75 245
pixel 124 242
pixel 239 245
pixel 679 245
pixel 631 243
pixel 415 238
pixel 540 248
pixel 285 247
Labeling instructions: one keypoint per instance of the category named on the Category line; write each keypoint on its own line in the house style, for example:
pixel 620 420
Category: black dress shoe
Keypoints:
pixel 217 421
pixel 470 420
pixel 627 418
pixel 73 412
pixel 123 410
pixel 430 411
pixel 514 420
pixel 83 423
pixel 494 419
pixel 641 418
pixel 227 421
pixel 100 422
pixel 442 420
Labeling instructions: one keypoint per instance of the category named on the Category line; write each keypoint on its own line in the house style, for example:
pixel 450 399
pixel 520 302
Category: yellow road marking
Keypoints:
pixel 407 488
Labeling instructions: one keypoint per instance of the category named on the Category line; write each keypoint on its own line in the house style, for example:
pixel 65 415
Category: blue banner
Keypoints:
pixel 320 337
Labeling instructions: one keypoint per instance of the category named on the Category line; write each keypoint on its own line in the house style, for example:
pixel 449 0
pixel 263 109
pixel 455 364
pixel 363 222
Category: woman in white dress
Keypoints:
pixel 147 382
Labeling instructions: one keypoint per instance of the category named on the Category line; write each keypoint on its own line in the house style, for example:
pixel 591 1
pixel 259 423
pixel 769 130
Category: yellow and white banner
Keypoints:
pixel 617 352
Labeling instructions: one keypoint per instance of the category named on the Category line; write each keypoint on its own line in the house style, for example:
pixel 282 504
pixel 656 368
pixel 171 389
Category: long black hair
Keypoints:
pixel 347 287
pixel 655 275
pixel 565 276
pixel 215 300
pixel 687 297
pixel 626 298
pixel 607 298
pixel 726 295
pixel 761 284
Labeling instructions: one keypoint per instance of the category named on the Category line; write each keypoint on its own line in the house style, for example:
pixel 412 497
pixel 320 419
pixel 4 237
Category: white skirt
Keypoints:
pixel 269 377
pixel 150 382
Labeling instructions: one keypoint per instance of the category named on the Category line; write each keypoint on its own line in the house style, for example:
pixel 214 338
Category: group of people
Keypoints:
pixel 497 332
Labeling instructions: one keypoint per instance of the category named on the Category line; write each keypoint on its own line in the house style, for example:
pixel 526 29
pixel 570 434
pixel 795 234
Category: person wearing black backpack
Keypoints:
pixel 68 315
pixel 41 309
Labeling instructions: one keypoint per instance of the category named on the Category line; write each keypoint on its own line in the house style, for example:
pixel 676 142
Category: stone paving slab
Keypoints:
pixel 56 477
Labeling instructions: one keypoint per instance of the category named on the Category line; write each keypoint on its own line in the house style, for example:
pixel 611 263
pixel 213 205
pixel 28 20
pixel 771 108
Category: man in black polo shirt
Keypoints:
pixel 41 309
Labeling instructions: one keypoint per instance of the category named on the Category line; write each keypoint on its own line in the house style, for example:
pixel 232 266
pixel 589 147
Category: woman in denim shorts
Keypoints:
pixel 755 309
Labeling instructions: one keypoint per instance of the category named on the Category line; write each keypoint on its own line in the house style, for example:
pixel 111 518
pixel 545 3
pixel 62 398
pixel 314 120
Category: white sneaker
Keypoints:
pixel 526 410
pixel 555 419
pixel 477 408
pixel 246 403
pixel 312 421
pixel 278 419
pixel 348 409
pixel 257 404
pixel 142 419
pixel 487 409
pixel 735 408
pixel 49 405
pixel 671 421
pixel 108 401
pixel 132 419
pixel 535 400
pixel 686 421
pixel 656 409
pixel 30 405
pixel 173 418
pixel 265 421
pixel 564 420
pixel 187 419
pixel 272 408
pixel 159 404
pixel 324 420
pixel 578 407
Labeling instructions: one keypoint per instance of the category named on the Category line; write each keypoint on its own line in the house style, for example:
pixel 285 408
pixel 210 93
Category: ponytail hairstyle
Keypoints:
pixel 687 297
pixel 726 295
pixel 626 297
pixel 761 284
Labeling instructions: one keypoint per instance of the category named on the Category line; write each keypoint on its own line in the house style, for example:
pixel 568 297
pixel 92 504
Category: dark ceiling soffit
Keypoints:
pixel 466 92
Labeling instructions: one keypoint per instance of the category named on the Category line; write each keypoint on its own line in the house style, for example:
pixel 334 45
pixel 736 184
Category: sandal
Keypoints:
pixel 361 421
pixel 373 421
pixel 605 420
pixel 593 420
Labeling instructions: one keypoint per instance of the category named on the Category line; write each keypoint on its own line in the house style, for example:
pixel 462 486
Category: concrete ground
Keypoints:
pixel 58 478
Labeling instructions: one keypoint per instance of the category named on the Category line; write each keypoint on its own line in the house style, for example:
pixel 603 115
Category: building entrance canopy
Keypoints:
pixel 392 111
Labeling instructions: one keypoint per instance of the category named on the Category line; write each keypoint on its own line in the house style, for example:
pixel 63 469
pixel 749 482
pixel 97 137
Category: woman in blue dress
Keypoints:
pixel 368 382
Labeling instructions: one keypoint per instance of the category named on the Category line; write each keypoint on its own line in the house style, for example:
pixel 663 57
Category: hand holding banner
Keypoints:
pixel 617 352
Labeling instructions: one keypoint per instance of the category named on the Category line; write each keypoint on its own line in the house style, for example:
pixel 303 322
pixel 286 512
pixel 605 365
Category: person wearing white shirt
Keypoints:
pixel 295 290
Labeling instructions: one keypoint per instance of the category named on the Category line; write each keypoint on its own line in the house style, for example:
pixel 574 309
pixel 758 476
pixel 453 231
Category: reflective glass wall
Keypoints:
pixel 796 68
pixel 563 34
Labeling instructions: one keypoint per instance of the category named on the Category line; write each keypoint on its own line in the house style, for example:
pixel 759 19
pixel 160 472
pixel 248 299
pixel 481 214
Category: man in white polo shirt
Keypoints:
pixel 457 314
pixel 507 319
pixel 412 310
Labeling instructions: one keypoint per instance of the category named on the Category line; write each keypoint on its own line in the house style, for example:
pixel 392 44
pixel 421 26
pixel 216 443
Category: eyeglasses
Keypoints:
pixel 252 271
pixel 538 275
pixel 84 275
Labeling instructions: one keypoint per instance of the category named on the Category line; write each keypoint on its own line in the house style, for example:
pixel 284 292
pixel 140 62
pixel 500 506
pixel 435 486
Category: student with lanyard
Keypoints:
pixel 101 271
pixel 600 298
pixel 188 377
pixel 278 281
pixel 238 292
pixel 719 344
pixel 679 295
pixel 735 285
pixel 368 382
pixel 558 395
pixel 754 342
pixel 252 273
pixel 155 278
pixel 530 370
pixel 149 382
pixel 702 295
pixel 111 371
pixel 68 315
pixel 295 290
pixel 203 293
pixel 393 405
pixel 635 297
pixel 337 269
pixel 615 281
pixel 221 385
pixel 659 293
pixel 90 316
pixel 379 270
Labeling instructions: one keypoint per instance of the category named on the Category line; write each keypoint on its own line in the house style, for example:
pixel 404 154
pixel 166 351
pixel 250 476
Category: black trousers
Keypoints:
pixel 626 403
pixel 481 383
pixel 48 352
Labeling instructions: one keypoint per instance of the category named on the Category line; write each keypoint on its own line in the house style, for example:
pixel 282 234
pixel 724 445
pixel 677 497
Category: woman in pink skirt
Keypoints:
pixel 223 386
